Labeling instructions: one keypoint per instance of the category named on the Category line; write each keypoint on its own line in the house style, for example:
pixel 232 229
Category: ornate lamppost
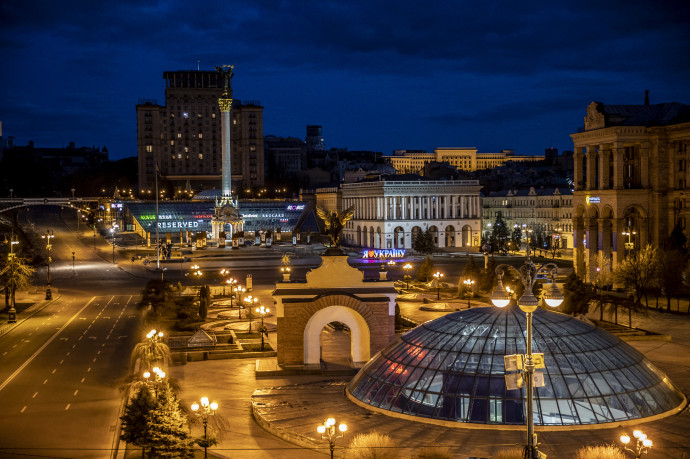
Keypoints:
pixel 48 236
pixel 262 312
pixel 329 432
pixel 249 300
pixel 438 275
pixel 468 285
pixel 528 303
pixel 642 445
pixel 407 267
pixel 204 411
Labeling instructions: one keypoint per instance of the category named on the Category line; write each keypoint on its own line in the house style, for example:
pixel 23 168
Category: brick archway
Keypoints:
pixel 360 347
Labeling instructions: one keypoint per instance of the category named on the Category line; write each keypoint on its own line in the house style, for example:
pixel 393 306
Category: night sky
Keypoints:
pixel 378 75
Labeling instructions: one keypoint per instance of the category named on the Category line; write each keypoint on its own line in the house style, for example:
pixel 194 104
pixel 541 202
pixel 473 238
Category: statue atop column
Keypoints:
pixel 227 72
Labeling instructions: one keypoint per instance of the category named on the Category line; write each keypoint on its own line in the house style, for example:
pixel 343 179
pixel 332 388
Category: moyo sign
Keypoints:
pixel 383 253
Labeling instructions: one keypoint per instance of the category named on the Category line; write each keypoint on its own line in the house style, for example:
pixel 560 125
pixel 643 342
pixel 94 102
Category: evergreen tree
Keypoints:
pixel 500 234
pixel 423 242
pixel 426 270
pixel 169 436
pixel 488 276
pixel 135 430
pixel 577 295
pixel 470 271
pixel 516 237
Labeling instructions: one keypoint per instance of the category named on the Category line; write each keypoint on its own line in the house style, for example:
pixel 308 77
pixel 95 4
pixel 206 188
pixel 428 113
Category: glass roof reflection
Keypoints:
pixel 452 369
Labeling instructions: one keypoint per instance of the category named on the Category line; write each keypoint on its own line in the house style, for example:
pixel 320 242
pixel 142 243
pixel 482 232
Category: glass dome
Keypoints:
pixel 452 369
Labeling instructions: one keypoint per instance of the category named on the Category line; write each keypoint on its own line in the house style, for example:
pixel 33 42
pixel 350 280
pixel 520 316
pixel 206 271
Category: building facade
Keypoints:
pixel 183 137
pixel 631 180
pixel 466 159
pixel 545 210
pixel 389 213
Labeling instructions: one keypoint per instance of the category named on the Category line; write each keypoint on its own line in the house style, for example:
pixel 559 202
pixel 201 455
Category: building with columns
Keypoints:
pixel 545 210
pixel 389 212
pixel 631 180
pixel 466 159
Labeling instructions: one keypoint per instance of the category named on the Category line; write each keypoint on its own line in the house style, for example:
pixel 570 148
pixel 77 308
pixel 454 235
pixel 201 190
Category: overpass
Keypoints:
pixel 75 203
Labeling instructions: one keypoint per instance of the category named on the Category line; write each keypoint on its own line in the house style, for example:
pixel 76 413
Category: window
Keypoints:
pixel 172 142
pixel 201 156
pixel 681 165
pixel 149 148
pixel 179 135
pixel 213 115
pixel 201 136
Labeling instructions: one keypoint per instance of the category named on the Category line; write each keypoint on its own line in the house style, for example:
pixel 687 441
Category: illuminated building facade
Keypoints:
pixel 389 213
pixel 184 136
pixel 466 159
pixel 631 181
pixel 545 210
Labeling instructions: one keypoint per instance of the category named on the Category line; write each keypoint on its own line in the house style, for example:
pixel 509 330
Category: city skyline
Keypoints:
pixel 380 76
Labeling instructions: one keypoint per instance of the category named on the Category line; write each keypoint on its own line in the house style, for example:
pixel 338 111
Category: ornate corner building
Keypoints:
pixel 631 181
pixel 183 138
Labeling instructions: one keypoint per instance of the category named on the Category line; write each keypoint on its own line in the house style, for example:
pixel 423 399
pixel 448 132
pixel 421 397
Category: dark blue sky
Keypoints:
pixel 378 75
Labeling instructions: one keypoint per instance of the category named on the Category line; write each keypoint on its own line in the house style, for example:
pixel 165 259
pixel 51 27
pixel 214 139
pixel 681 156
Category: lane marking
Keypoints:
pixel 23 409
pixel 89 370
pixel 61 362
pixel 53 372
pixel 50 340
pixel 35 394
pixel 4 353
pixel 76 392
pixel 83 379
pixel 67 407
pixel 45 381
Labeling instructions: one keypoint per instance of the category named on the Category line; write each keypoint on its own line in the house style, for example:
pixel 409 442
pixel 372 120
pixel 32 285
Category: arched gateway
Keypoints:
pixel 333 292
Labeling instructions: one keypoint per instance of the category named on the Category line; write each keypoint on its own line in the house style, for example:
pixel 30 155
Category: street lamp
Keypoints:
pixel 250 301
pixel 286 273
pixel 528 303
pixel 438 275
pixel 262 312
pixel 12 313
pixel 468 285
pixel 642 445
pixel 407 267
pixel 196 271
pixel 204 411
pixel 239 290
pixel 328 432
pixel 112 237
pixel 48 236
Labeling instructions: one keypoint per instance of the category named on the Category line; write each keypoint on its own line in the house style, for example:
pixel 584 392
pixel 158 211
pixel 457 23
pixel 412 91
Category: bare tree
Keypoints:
pixel 639 271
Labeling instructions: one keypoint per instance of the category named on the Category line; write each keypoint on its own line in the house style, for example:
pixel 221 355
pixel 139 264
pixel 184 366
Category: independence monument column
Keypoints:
pixel 226 212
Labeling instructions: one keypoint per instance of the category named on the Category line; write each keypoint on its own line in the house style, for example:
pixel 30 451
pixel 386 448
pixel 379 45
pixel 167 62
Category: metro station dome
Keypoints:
pixel 451 370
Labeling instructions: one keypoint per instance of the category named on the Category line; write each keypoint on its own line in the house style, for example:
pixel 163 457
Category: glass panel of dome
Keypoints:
pixel 568 411
pixel 584 411
pixel 628 406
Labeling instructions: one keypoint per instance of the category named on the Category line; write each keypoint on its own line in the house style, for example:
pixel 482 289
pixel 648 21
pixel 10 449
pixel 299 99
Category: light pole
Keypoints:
pixel 250 301
pixel 438 275
pixel 112 234
pixel 468 285
pixel 328 432
pixel 204 411
pixel 286 273
pixel 528 303
pixel 239 291
pixel 262 312
pixel 642 445
pixel 196 271
pixel 12 313
pixel 407 267
pixel 48 236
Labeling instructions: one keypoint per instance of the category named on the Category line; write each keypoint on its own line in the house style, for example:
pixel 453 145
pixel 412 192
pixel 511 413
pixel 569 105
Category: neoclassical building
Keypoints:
pixel 631 180
pixel 389 213
pixel 549 210
pixel 466 159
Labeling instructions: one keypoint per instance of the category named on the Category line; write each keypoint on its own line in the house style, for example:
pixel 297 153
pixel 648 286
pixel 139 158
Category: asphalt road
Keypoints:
pixel 60 372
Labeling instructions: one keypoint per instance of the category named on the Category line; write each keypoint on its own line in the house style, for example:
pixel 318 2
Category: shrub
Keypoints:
pixel 371 446
pixel 434 452
pixel 511 453
pixel 600 452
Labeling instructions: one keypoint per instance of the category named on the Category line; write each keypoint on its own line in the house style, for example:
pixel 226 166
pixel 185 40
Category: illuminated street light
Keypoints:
pixel 263 330
pixel 203 411
pixel 250 301
pixel 239 291
pixel 642 443
pixel 328 432
pixel 407 267
pixel 528 303
pixel 468 284
pixel 286 273
pixel 438 275
pixel 48 236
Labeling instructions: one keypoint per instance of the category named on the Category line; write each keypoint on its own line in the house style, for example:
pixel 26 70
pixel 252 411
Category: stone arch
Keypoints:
pixel 365 237
pixel 372 237
pixel 360 341
pixel 466 236
pixel 450 236
pixel 399 237
pixel 434 233
pixel 359 236
pixel 379 240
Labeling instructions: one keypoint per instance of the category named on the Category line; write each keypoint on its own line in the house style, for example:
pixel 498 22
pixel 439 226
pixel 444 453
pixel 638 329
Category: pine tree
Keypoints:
pixel 488 276
pixel 135 429
pixel 577 295
pixel 169 436
pixel 425 270
pixel 500 234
